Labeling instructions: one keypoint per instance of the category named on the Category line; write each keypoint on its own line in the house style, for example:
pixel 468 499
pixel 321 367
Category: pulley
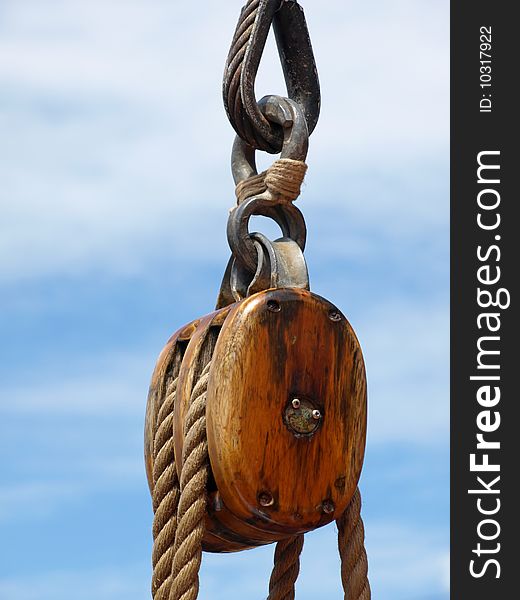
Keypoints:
pixel 256 416
pixel 285 414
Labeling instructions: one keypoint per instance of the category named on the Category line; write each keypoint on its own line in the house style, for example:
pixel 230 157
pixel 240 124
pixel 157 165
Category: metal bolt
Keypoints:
pixel 334 315
pixel 316 414
pixel 273 306
pixel 265 499
pixel 327 506
pixel 296 403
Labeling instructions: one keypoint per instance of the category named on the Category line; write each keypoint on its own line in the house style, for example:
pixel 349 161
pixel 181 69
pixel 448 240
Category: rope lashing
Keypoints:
pixel 283 179
pixel 351 544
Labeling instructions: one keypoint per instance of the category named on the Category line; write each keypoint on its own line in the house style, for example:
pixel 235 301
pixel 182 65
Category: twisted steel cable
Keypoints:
pixel 232 94
pixel 298 65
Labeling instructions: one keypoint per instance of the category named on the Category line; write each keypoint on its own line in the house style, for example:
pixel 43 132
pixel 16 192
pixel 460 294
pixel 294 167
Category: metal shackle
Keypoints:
pixel 289 115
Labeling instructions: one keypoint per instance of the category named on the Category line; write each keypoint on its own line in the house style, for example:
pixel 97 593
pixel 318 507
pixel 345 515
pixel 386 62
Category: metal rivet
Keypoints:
pixel 334 315
pixel 296 403
pixel 316 414
pixel 265 499
pixel 327 506
pixel 273 306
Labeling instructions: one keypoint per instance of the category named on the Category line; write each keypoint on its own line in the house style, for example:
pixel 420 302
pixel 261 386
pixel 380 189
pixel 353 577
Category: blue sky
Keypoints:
pixel 114 162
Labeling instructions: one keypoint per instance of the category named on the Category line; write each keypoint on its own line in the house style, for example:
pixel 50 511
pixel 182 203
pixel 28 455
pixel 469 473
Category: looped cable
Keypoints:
pixel 296 56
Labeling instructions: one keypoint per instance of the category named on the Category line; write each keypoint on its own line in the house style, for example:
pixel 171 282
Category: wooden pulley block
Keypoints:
pixel 285 414
pixel 256 416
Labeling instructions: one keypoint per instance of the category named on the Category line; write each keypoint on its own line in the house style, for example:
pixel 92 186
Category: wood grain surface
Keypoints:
pixel 273 347
pixel 267 481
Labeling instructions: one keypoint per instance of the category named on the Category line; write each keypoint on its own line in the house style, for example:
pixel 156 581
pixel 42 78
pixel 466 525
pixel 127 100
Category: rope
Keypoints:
pixel 165 497
pixel 179 515
pixel 286 568
pixel 283 179
pixel 192 504
pixel 351 543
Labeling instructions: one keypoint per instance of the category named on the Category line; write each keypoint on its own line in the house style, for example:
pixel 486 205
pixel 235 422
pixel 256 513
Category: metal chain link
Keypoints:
pixel 258 263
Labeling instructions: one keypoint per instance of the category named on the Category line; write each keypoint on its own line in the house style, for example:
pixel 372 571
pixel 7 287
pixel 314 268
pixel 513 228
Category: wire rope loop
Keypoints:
pixel 298 65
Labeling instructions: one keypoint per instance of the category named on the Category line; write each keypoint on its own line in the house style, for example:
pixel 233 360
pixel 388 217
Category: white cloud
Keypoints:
pixel 72 479
pixel 36 499
pixel 406 351
pixel 130 583
pixel 118 146
pixel 406 354
pixel 102 386
pixel 400 553
pixel 445 566
pixel 114 153
pixel 396 553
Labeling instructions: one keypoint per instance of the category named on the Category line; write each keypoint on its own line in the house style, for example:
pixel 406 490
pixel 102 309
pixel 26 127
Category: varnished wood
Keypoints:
pixel 224 531
pixel 261 358
pixel 275 346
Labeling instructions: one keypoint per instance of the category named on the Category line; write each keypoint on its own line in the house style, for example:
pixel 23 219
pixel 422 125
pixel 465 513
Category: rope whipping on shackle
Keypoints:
pixel 240 387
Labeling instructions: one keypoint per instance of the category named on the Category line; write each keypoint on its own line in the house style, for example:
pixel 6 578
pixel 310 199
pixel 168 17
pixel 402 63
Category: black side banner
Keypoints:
pixel 485 268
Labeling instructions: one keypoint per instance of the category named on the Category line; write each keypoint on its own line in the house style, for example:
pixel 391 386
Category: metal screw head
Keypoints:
pixel 295 403
pixel 273 306
pixel 265 499
pixel 327 506
pixel 316 414
pixel 334 315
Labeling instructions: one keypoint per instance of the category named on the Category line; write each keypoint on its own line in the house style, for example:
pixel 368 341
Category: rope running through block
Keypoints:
pixel 179 527
pixel 165 497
